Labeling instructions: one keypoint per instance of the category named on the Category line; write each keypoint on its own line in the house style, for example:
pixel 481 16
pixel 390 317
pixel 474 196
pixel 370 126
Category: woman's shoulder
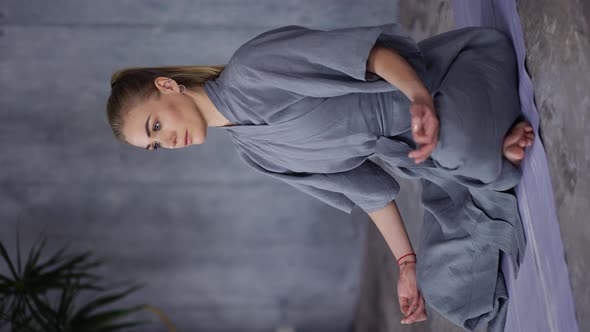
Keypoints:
pixel 262 42
pixel 269 35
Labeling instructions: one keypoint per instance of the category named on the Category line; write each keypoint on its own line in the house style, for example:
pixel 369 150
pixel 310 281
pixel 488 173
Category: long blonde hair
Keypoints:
pixel 132 86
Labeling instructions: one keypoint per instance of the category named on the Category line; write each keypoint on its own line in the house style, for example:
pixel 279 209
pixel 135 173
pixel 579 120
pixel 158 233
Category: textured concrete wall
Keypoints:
pixel 188 223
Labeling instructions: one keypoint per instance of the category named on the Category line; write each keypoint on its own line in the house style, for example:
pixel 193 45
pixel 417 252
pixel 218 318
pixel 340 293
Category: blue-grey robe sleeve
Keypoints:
pixel 367 185
pixel 320 63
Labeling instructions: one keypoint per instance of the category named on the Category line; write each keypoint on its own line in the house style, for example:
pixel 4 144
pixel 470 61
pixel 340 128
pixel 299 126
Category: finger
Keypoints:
pixel 418 313
pixel 427 148
pixel 422 308
pixel 414 302
pixel 403 305
pixel 417 110
pixel 417 113
pixel 431 128
pixel 417 123
pixel 428 134
pixel 424 140
pixel 423 152
pixel 405 309
pixel 416 153
pixel 419 136
pixel 424 314
pixel 416 305
pixel 421 317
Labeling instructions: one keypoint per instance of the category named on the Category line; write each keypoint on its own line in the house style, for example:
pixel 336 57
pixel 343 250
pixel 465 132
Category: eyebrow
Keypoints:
pixel 147 130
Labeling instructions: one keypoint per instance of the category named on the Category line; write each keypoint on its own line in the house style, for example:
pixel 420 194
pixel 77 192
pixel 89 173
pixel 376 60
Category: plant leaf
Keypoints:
pixel 4 255
pixel 34 253
pixel 65 304
pixel 51 261
pixel 104 318
pixel 103 300
pixel 25 326
pixel 42 313
pixel 18 265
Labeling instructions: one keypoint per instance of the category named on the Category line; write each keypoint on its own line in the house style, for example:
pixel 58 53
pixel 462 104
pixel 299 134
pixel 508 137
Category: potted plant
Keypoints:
pixel 26 289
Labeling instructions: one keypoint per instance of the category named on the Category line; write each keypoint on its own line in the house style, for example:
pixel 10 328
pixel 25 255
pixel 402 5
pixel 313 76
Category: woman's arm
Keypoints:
pixel 392 67
pixel 389 222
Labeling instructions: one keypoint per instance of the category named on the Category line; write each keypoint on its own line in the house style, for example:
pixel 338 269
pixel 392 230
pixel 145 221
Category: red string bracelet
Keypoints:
pixel 404 263
pixel 410 254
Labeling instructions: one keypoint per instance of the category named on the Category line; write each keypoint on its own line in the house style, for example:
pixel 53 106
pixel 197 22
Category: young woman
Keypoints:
pixel 309 107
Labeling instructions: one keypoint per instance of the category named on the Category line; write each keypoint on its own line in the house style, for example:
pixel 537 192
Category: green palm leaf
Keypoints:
pixel 23 293
pixel 102 301
pixel 4 255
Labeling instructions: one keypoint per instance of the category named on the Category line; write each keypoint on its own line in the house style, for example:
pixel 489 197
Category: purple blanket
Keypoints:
pixel 540 297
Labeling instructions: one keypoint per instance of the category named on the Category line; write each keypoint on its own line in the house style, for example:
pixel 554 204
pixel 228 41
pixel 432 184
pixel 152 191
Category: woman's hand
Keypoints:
pixel 411 301
pixel 424 127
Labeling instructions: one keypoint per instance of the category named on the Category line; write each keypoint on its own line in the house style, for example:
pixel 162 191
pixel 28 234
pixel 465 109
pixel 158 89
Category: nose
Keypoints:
pixel 175 140
pixel 172 142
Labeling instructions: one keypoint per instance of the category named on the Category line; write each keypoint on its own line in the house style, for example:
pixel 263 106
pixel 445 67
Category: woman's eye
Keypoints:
pixel 156 145
pixel 157 126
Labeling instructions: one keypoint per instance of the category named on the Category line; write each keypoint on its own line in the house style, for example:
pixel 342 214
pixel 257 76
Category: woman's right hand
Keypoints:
pixel 425 127
pixel 410 298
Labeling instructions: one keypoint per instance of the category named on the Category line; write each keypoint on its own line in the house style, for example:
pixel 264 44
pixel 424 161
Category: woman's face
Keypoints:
pixel 166 122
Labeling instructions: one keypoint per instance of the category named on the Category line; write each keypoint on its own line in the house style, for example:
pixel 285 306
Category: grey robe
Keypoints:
pixel 308 113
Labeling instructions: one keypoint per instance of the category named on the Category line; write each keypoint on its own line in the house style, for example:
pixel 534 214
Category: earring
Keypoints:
pixel 181 86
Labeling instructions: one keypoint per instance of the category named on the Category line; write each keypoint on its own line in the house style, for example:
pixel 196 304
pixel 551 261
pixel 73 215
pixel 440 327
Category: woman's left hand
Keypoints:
pixel 425 127
pixel 411 301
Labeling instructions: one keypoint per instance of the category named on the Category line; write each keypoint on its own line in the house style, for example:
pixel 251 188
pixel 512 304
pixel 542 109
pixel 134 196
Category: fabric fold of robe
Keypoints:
pixel 306 112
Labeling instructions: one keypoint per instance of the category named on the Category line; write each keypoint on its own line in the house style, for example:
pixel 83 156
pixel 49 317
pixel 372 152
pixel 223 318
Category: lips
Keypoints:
pixel 186 138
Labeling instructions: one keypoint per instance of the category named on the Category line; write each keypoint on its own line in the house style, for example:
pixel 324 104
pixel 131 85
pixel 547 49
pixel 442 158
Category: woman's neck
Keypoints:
pixel 210 113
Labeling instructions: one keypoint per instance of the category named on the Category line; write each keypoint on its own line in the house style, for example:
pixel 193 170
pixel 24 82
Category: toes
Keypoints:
pixel 511 138
pixel 530 138
pixel 514 152
pixel 523 125
pixel 519 137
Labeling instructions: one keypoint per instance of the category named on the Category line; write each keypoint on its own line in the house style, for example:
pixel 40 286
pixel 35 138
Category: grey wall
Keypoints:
pixel 188 223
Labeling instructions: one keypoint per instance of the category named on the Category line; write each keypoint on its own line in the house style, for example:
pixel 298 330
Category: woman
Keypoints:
pixel 309 107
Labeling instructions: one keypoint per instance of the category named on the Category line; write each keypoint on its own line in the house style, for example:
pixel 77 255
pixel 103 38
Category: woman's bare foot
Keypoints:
pixel 520 136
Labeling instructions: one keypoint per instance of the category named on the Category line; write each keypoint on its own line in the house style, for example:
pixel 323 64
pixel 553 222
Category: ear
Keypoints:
pixel 164 84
